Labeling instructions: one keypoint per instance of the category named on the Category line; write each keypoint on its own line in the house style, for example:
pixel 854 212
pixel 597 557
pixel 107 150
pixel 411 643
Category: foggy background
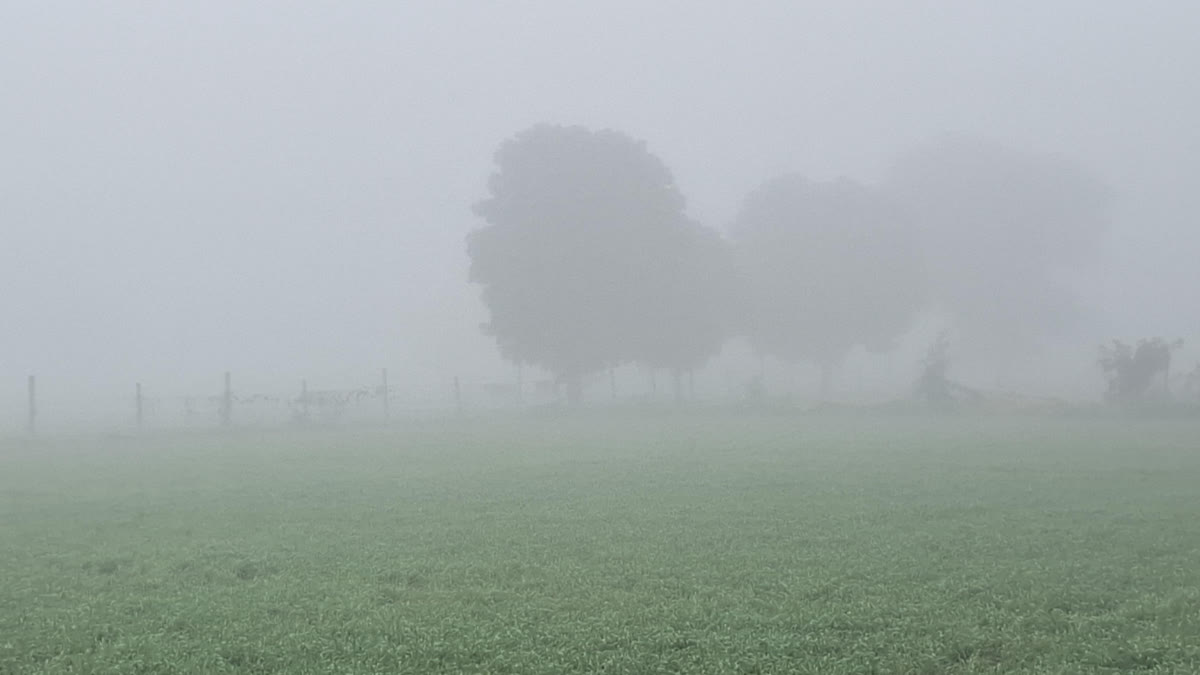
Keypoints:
pixel 282 190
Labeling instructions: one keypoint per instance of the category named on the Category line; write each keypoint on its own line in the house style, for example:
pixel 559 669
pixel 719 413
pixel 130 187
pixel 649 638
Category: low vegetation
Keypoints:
pixel 722 544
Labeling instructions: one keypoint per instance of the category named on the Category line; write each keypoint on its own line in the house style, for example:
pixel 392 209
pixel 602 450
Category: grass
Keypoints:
pixel 724 544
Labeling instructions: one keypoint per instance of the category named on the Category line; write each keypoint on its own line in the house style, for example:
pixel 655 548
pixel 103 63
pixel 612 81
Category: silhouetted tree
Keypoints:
pixel 1133 372
pixel 1000 227
pixel 1191 384
pixel 579 227
pixel 933 386
pixel 828 266
pixel 689 309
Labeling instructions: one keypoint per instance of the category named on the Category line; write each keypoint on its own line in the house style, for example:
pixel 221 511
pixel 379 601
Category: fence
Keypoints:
pixel 227 406
pixel 49 408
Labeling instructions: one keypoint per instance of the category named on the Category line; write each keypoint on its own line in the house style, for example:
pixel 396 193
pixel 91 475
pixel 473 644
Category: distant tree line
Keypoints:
pixel 587 258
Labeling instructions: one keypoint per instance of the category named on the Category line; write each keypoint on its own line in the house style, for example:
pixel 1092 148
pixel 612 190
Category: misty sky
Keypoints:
pixel 283 189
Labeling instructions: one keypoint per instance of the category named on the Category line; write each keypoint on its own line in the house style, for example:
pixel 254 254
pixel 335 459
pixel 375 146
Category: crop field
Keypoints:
pixel 682 543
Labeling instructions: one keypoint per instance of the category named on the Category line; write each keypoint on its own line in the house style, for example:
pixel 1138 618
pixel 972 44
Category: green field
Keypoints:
pixel 686 543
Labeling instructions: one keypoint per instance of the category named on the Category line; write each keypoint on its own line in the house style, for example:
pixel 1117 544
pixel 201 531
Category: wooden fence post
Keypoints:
pixel 32 405
pixel 227 403
pixel 387 413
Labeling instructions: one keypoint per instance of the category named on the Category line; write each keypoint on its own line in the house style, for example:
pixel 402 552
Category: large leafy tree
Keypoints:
pixel 581 229
pixel 1002 229
pixel 692 305
pixel 828 266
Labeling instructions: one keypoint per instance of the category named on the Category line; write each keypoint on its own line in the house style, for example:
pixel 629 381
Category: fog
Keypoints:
pixel 284 190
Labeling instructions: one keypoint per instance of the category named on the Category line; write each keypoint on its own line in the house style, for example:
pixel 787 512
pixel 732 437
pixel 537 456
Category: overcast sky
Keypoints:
pixel 283 189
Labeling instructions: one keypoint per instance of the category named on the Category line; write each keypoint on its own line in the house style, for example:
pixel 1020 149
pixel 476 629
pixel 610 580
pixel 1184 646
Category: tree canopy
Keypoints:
pixel 1001 228
pixel 587 259
pixel 1137 373
pixel 828 266
pixel 690 309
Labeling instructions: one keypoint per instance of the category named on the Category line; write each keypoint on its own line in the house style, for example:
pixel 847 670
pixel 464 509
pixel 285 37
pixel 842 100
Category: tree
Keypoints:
pixel 1001 229
pixel 579 224
pixel 689 310
pixel 1134 372
pixel 1191 384
pixel 828 266
pixel 934 385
